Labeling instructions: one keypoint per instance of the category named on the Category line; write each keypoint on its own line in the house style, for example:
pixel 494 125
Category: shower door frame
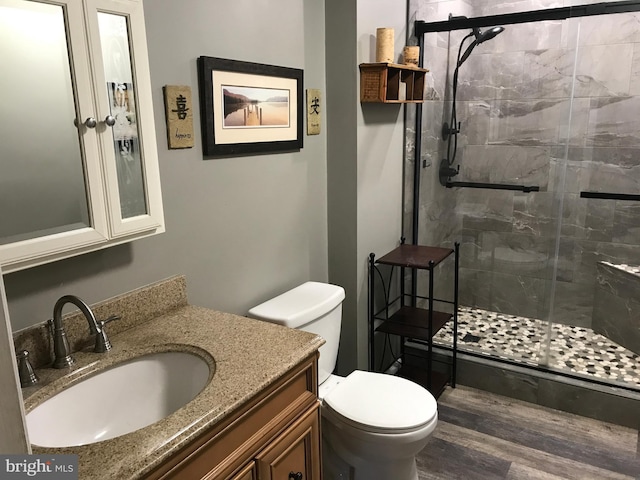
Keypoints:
pixel 460 23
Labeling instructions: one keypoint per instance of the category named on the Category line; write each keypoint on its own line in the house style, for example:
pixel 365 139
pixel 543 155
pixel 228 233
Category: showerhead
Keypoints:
pixel 487 34
pixel 480 37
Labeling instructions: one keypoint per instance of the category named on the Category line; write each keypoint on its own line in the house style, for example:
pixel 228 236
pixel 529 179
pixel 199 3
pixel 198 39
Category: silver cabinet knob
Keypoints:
pixel 90 122
pixel 110 120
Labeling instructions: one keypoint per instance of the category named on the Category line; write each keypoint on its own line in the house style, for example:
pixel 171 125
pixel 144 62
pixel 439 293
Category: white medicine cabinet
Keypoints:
pixel 78 156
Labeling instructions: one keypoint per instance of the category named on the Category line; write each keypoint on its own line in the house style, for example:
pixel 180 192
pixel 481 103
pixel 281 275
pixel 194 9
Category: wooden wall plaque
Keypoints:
pixel 179 115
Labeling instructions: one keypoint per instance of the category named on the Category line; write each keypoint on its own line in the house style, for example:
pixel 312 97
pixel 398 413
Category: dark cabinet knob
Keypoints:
pixel 295 476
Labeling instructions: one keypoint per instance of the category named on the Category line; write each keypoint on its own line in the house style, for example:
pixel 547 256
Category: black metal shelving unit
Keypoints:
pixel 400 316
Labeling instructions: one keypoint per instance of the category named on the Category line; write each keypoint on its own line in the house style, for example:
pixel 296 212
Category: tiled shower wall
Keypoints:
pixel 526 121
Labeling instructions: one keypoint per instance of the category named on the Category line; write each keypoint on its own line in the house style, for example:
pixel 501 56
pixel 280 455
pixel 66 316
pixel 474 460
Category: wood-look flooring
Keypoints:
pixel 482 436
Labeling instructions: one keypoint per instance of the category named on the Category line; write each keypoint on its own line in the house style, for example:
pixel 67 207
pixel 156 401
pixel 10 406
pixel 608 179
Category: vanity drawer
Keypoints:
pixel 224 452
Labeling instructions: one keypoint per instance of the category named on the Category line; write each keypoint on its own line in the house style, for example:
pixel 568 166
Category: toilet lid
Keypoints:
pixel 377 402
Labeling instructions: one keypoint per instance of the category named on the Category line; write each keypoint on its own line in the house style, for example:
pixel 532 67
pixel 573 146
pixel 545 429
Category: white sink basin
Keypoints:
pixel 120 400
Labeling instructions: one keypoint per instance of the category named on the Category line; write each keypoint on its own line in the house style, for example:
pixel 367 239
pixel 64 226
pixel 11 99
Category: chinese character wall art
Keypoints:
pixel 249 108
pixel 255 107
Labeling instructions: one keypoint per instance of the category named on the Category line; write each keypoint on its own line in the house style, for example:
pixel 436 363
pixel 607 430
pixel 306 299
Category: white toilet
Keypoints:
pixel 373 424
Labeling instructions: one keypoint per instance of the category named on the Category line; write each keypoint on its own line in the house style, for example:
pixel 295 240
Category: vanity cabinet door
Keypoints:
pixel 247 473
pixel 79 168
pixel 294 455
pixel 123 95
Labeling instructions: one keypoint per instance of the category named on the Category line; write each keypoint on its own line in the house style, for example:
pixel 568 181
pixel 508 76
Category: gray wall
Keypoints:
pixel 365 145
pixel 244 229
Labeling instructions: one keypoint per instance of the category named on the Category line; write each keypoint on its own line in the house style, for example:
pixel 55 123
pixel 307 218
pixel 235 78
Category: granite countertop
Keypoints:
pixel 245 356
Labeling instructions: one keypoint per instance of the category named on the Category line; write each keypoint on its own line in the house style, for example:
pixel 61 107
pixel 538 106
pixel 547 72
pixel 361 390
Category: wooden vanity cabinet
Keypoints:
pixel 275 436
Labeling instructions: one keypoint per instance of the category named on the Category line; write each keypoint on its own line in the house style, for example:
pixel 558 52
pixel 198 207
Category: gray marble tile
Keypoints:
pixel 634 86
pixel 568 255
pixel 535 122
pixel 587 254
pixel 528 36
pixel 598 221
pixel 475 287
pixel 616 312
pixel 436 61
pixel 618 319
pixel 610 29
pixel 573 304
pixel 547 74
pixel 536 214
pixel 618 282
pixel 503 251
pixel 613 122
pixel 482 209
pixel 626 223
pixel 505 164
pixel 567 175
pixel 594 66
pixel 491 7
pixel 492 76
pixel 573 215
pixel 517 295
pixel 575 129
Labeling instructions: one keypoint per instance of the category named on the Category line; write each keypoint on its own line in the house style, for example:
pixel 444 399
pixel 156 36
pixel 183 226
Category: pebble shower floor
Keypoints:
pixel 574 349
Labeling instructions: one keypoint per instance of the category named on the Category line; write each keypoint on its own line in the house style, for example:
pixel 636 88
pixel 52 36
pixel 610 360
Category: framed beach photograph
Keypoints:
pixel 249 107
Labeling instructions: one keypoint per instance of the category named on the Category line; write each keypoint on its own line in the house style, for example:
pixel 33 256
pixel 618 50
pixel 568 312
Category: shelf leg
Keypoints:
pixel 371 312
pixel 430 346
pixel 454 362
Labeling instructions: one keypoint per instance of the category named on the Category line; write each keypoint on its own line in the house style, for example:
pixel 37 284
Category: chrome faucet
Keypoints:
pixel 61 349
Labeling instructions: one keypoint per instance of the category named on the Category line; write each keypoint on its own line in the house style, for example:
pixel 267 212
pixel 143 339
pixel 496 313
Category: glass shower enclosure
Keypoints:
pixel 543 191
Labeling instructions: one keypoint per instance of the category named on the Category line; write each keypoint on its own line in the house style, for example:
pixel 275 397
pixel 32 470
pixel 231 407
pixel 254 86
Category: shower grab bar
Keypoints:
pixel 494 186
pixel 611 196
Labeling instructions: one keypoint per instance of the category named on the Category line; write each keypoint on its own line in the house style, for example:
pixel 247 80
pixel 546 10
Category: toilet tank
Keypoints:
pixel 313 307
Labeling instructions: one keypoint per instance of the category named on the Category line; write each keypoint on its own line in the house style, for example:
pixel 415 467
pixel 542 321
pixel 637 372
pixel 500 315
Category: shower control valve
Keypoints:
pixel 450 130
pixel 447 171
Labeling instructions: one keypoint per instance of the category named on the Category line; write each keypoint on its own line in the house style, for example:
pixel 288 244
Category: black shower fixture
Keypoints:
pixel 450 131
pixel 480 38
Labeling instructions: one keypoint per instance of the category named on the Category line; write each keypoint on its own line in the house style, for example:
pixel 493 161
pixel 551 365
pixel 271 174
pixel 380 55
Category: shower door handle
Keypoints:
pixel 611 196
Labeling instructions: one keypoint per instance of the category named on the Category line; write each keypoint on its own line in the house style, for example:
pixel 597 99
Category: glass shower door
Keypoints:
pixel 596 310
pixel 514 104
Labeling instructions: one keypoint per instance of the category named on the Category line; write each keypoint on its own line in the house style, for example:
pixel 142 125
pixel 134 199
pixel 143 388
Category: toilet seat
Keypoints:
pixel 380 403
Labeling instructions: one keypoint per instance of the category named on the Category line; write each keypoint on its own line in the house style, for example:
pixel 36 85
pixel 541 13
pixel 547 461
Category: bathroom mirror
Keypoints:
pixel 79 168
pixel 42 180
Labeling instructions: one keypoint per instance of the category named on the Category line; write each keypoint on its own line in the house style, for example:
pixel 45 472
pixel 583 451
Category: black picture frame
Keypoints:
pixel 223 81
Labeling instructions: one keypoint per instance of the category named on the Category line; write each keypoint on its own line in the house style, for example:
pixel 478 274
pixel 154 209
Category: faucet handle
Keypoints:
pixel 28 377
pixel 110 318
pixel 102 341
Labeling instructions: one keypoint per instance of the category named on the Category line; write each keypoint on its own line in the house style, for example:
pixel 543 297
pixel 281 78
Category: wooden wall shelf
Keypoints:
pixel 391 83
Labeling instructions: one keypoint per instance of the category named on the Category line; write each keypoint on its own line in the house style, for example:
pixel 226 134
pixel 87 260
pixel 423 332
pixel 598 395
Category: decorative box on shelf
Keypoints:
pixel 391 83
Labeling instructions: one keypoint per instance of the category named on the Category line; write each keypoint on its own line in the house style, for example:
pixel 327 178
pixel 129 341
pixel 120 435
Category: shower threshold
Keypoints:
pixel 576 351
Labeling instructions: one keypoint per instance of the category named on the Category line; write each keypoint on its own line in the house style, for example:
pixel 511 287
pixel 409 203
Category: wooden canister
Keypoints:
pixel 384 45
pixel 411 55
